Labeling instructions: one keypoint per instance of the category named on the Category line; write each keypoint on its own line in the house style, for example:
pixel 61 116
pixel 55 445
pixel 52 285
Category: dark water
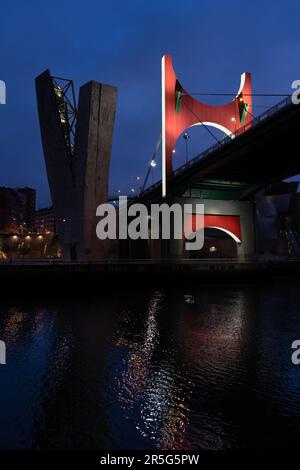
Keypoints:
pixel 152 369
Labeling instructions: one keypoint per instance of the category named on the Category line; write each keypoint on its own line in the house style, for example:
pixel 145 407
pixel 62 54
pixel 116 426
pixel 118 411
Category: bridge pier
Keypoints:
pixel 247 248
pixel 235 218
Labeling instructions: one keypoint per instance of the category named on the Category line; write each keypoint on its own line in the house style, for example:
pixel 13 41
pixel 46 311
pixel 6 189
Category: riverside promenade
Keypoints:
pixel 138 270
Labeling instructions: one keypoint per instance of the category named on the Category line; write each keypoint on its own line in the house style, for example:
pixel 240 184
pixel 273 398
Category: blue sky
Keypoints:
pixel 121 43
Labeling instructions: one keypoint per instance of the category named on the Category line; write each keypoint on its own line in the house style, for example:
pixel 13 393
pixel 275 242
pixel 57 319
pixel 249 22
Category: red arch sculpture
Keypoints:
pixel 229 224
pixel 180 111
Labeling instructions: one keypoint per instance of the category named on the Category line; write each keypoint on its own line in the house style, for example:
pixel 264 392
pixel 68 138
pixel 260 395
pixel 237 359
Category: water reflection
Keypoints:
pixel 137 371
pixel 185 369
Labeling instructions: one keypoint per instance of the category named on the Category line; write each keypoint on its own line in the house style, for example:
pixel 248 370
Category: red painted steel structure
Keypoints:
pixel 180 111
pixel 229 224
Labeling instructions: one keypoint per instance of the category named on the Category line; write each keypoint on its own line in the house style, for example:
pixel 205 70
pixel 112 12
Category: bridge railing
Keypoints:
pixel 227 139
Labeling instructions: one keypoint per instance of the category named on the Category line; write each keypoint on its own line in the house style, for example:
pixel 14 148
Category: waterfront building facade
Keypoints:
pixel 17 209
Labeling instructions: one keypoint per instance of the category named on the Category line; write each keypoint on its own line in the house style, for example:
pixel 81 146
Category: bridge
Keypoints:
pixel 226 177
pixel 256 152
pixel 259 154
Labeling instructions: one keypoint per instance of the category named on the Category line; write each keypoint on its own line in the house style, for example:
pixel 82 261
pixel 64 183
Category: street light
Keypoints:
pixel 152 165
pixel 186 137
pixel 136 180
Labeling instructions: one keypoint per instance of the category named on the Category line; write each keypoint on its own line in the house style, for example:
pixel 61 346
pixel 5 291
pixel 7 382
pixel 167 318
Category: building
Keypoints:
pixel 17 209
pixel 44 221
pixel 278 219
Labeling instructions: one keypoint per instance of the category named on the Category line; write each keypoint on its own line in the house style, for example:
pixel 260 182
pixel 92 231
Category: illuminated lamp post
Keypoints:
pixel 186 137
pixel 153 165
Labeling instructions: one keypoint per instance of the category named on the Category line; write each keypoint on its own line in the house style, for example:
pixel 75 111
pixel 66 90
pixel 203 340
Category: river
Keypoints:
pixel 205 367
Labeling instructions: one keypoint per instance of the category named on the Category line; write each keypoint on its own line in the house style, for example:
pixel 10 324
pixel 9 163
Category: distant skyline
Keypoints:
pixel 121 43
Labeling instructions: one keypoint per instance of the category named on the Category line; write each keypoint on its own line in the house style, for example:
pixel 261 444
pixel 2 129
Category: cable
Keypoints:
pixel 244 94
pixel 260 106
pixel 208 130
pixel 253 117
pixel 150 168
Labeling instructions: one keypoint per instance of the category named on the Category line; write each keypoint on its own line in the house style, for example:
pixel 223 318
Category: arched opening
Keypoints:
pixel 218 243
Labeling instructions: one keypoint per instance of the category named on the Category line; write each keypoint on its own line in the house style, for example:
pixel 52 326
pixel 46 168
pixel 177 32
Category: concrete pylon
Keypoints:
pixel 78 172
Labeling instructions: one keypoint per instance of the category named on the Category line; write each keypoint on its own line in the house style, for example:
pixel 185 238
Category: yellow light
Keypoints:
pixel 58 91
pixel 241 100
pixel 15 237
pixel 28 237
pixel 40 237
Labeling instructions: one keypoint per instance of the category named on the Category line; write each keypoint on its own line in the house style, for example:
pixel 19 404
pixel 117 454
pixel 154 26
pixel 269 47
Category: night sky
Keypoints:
pixel 121 42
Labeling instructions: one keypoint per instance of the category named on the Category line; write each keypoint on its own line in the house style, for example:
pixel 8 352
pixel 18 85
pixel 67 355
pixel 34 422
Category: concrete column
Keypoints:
pixel 176 249
pixel 93 143
pixel 247 249
pixel 78 179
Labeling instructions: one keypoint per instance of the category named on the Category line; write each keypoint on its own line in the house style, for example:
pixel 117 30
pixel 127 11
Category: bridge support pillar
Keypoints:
pixel 77 166
pixel 247 248
pixel 236 218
